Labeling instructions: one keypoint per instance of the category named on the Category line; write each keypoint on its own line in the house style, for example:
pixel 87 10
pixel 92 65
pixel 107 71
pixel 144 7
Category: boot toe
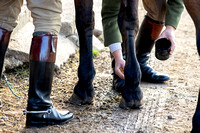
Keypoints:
pixel 52 117
pixel 155 77
pixel 66 114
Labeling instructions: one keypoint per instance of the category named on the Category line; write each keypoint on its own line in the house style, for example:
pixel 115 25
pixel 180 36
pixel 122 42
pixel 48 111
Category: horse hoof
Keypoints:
pixel 75 99
pixel 135 104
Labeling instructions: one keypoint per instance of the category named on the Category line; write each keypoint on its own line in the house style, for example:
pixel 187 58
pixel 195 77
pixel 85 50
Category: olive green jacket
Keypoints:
pixel 110 10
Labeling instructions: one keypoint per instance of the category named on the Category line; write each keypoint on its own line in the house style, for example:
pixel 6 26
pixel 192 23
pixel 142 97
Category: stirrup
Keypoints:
pixel 37 112
pixel 48 111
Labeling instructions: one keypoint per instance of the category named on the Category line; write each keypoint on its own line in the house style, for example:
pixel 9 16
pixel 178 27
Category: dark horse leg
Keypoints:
pixel 84 91
pixel 128 23
pixel 193 7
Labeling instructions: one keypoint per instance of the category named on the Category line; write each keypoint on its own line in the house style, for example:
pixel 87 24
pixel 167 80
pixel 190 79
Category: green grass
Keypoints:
pixel 22 70
pixel 95 53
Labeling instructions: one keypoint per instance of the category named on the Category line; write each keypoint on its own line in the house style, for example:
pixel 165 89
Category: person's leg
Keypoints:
pixel 150 29
pixel 9 11
pixel 46 18
pixel 112 35
pixel 84 91
pixel 192 7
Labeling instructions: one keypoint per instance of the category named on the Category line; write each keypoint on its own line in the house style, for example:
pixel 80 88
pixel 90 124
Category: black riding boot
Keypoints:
pixel 84 91
pixel 4 41
pixel 149 32
pixel 40 111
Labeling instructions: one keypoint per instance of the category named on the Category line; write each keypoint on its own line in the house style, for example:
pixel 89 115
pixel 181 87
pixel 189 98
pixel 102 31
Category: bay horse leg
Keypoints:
pixel 193 7
pixel 131 94
pixel 84 91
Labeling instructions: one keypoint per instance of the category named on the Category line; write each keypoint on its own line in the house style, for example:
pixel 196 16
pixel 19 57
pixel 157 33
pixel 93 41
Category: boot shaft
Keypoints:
pixel 43 48
pixel 42 58
pixel 4 41
pixel 148 33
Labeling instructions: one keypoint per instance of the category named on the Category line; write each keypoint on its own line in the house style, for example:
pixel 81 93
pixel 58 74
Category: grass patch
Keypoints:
pixel 95 53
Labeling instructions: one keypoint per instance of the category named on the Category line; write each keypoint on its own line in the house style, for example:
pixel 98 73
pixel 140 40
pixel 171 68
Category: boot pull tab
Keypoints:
pixel 52 44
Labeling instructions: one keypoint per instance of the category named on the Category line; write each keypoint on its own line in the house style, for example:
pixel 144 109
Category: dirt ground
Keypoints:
pixel 168 108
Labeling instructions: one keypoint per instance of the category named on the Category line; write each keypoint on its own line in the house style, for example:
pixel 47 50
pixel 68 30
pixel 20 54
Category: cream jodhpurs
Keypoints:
pixel 45 14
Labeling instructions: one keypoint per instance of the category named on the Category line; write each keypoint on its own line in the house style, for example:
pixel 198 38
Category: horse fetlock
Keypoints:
pixel 83 94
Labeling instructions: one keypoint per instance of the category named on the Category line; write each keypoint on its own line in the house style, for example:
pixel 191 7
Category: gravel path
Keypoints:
pixel 168 108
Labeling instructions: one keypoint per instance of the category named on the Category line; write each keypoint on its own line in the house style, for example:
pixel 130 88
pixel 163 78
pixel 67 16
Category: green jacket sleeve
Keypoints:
pixel 174 11
pixel 109 13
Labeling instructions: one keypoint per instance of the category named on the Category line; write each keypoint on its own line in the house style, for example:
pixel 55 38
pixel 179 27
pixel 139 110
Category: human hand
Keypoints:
pixel 168 33
pixel 119 63
pixel 119 68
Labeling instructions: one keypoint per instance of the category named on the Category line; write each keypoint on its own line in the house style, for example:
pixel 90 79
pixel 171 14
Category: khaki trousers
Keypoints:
pixel 45 14
pixel 156 9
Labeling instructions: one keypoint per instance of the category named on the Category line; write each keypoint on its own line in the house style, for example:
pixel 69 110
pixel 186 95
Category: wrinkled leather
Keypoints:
pixel 42 58
pixel 45 119
pixel 149 31
pixel 148 73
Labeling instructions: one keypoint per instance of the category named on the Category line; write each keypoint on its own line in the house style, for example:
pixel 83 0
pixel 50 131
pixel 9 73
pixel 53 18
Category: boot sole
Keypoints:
pixel 46 123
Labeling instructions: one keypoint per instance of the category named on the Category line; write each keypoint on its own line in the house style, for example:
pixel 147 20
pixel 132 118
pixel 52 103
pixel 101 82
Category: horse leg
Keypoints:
pixel 193 7
pixel 84 91
pixel 131 94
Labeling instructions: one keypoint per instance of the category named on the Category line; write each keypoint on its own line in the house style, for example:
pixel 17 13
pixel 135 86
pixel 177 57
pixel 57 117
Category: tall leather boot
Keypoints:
pixel 40 111
pixel 4 41
pixel 84 91
pixel 149 32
